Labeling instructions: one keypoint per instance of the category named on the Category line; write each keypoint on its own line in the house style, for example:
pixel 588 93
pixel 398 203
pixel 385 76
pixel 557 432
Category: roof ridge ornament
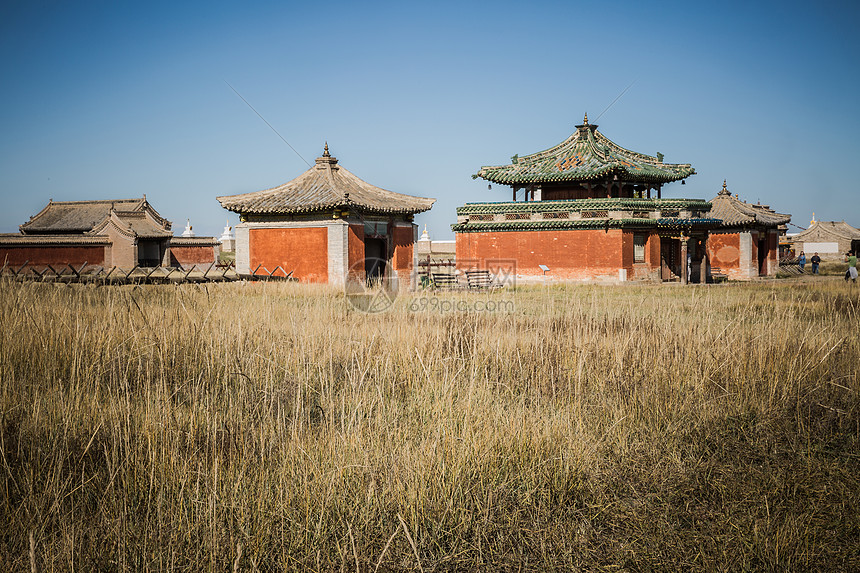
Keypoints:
pixel 325 150
pixel 585 119
pixel 724 190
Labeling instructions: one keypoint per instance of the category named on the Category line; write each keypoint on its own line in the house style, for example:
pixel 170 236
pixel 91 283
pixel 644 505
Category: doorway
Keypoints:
pixel 669 258
pixel 375 260
pixel 148 253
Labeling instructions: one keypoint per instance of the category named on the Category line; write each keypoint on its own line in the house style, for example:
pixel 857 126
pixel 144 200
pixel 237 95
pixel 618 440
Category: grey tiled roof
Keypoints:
pixel 76 216
pixel 326 185
pixel 732 211
pixel 823 229
pixel 16 239
pixel 141 226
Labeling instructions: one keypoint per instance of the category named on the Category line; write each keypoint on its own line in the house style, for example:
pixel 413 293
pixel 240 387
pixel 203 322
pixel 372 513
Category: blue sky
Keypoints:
pixel 113 100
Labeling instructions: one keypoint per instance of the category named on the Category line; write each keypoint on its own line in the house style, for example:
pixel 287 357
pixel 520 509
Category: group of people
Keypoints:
pixel 815 261
pixel 850 258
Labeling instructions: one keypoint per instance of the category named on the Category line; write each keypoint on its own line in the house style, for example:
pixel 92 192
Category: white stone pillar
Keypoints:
pixel 243 250
pixel 338 252
pixel 747 264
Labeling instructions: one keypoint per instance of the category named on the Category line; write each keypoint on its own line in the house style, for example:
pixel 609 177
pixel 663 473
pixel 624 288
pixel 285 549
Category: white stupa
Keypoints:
pixel 228 239
pixel 188 232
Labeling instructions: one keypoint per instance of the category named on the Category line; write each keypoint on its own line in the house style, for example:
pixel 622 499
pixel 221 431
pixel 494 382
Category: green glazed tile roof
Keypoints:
pixel 554 225
pixel 587 155
pixel 611 204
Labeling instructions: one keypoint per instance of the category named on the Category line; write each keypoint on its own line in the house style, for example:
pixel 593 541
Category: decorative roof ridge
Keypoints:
pixel 97 201
pixel 330 165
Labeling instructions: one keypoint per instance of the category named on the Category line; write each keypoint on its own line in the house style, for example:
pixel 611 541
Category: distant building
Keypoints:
pixel 123 233
pixel 327 226
pixel 745 244
pixel 830 239
pixel 435 250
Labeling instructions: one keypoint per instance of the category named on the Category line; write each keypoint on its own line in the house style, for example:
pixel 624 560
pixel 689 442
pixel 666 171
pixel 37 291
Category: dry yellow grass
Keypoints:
pixel 242 427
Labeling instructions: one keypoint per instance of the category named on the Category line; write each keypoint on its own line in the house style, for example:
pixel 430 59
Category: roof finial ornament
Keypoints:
pixel 325 151
pixel 812 222
pixel 585 120
pixel 724 190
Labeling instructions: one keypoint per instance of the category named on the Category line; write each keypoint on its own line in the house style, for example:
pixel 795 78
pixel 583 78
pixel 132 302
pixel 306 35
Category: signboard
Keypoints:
pixel 829 248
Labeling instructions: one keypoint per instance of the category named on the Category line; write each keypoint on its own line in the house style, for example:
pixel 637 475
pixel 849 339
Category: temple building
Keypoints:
pixel 830 239
pixel 327 226
pixel 593 211
pixel 746 243
pixel 120 233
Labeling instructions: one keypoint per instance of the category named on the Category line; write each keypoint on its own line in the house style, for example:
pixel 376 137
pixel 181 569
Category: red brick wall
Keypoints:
pixel 49 254
pixel 403 242
pixel 304 251
pixel 189 256
pixel 570 254
pixel 650 267
pixel 403 239
pixel 724 250
pixel 355 249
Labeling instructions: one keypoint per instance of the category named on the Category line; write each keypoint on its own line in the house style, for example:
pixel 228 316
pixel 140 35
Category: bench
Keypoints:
pixel 717 275
pixel 445 281
pixel 480 279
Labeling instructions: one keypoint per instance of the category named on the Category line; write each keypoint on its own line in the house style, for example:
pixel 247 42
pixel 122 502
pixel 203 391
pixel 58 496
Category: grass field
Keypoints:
pixel 270 427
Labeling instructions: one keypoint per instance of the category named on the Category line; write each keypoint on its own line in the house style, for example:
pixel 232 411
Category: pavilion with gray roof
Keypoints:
pixel 327 226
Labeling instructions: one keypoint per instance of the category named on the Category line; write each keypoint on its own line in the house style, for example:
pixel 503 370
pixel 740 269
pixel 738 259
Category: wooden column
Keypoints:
pixel 515 194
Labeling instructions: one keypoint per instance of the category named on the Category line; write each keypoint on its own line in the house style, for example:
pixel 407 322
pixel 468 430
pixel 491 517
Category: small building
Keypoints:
pixel 121 232
pixel 746 243
pixel 327 226
pixel 830 239
pixel 592 211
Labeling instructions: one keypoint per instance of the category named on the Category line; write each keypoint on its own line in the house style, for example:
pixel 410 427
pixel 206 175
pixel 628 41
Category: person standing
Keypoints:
pixel 815 260
pixel 801 260
pixel 851 258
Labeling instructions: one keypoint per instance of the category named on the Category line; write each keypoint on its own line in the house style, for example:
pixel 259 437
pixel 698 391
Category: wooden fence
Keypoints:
pixel 98 275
